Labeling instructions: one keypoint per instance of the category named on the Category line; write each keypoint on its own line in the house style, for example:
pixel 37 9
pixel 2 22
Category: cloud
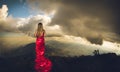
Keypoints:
pixel 7 23
pixel 3 12
pixel 89 19
pixel 11 28
pixel 29 25
pixel 59 46
pixel 77 46
pixel 12 41
pixel 26 25
pixel 68 29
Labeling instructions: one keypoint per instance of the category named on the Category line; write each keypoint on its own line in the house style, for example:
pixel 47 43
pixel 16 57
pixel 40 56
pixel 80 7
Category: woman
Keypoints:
pixel 42 64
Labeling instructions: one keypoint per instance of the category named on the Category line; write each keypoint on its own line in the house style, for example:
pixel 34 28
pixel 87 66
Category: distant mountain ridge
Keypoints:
pixel 24 62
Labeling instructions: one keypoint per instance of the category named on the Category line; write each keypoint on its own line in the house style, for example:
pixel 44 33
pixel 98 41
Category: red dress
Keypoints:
pixel 42 64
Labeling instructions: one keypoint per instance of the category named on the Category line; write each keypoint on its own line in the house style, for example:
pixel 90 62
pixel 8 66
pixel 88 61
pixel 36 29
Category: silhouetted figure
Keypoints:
pixel 96 52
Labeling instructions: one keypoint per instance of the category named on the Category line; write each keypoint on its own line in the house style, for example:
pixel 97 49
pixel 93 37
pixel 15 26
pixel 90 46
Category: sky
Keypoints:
pixel 17 8
pixel 75 17
pixel 80 24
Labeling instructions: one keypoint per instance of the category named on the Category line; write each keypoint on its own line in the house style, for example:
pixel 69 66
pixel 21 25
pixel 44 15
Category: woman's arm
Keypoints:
pixel 44 32
pixel 35 34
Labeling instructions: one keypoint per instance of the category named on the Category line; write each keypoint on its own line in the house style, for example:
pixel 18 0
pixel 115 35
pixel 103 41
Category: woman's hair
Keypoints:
pixel 40 29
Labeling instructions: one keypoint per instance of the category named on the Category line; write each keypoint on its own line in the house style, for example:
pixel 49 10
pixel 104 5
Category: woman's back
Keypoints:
pixel 39 34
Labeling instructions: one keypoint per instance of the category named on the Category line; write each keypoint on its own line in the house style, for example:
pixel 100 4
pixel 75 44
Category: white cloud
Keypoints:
pixel 7 23
pixel 3 12
pixel 77 46
pixel 28 25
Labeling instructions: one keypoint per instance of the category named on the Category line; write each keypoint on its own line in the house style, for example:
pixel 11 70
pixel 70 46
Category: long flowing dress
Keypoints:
pixel 42 64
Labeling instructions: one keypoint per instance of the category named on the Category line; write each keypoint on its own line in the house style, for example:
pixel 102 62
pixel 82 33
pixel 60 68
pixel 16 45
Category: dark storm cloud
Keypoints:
pixel 90 19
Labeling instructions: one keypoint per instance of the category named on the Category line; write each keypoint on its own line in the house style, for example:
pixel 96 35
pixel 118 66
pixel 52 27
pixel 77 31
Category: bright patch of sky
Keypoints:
pixel 17 8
